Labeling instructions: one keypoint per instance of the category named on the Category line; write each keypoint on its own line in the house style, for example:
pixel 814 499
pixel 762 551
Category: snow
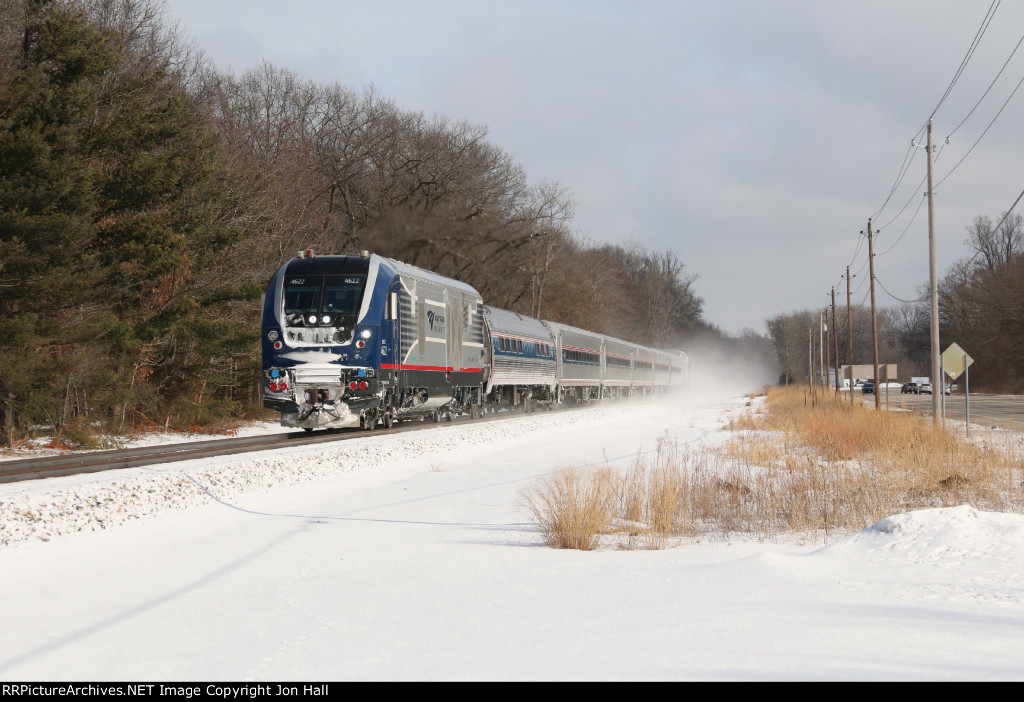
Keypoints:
pixel 411 557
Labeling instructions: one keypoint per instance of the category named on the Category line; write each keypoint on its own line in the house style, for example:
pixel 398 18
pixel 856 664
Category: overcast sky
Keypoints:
pixel 752 138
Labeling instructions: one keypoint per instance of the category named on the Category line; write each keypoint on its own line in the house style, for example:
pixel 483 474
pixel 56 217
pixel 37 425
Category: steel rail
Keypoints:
pixel 17 470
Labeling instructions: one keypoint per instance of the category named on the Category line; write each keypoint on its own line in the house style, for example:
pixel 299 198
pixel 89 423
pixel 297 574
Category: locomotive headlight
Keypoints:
pixel 366 333
pixel 325 319
pixel 312 319
pixel 272 335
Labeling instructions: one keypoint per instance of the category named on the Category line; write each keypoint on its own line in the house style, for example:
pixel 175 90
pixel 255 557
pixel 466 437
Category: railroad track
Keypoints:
pixel 96 461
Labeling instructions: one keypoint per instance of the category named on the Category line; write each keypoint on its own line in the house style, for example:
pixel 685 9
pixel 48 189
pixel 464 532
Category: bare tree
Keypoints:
pixel 996 245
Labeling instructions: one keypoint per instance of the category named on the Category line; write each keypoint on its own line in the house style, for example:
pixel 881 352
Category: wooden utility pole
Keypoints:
pixel 787 360
pixel 849 332
pixel 810 360
pixel 821 351
pixel 937 383
pixel 828 355
pixel 874 316
pixel 835 338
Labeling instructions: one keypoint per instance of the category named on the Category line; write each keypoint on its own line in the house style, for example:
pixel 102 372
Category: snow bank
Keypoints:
pixel 45 509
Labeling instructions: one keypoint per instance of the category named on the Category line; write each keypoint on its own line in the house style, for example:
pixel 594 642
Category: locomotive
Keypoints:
pixel 363 339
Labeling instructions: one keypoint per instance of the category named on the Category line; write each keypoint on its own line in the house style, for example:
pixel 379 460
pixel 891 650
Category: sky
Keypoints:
pixel 411 558
pixel 753 139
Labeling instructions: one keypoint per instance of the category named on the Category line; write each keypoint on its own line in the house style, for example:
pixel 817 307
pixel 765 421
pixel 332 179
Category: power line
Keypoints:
pixel 864 299
pixel 966 264
pixel 992 233
pixel 967 57
pixel 983 95
pixel 905 166
pixel 905 206
pixel 905 229
pixel 1021 81
pixel 909 156
pixel 856 251
pixel 858 272
pixel 895 297
pixel 904 169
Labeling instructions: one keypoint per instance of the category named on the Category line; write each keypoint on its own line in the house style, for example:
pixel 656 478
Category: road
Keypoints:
pixel 996 411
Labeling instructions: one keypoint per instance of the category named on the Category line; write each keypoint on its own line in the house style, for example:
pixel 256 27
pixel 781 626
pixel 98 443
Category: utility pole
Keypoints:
pixel 821 351
pixel 828 355
pixel 835 339
pixel 874 316
pixel 937 381
pixel 810 360
pixel 787 360
pixel 849 332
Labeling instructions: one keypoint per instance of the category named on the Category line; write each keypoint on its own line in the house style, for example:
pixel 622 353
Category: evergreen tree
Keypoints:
pixel 109 213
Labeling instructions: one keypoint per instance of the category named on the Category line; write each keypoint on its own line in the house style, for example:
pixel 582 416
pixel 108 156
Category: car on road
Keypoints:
pixel 910 389
pixel 868 387
pixel 925 388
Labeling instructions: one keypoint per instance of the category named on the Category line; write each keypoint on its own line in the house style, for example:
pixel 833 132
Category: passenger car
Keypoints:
pixel 868 387
pixel 925 388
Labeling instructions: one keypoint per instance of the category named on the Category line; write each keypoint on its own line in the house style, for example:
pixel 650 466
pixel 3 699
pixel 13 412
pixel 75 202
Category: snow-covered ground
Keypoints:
pixel 411 557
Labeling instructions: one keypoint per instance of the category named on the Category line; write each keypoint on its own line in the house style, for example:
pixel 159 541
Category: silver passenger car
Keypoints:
pixel 522 360
pixel 579 362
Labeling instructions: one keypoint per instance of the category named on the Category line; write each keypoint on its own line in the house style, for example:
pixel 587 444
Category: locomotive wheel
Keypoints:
pixel 436 416
pixel 389 420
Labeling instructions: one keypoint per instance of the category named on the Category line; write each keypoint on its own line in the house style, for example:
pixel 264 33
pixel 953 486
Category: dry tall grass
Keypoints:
pixel 573 507
pixel 811 465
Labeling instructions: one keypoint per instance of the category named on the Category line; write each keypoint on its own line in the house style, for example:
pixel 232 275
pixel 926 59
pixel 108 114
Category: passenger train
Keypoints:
pixel 360 340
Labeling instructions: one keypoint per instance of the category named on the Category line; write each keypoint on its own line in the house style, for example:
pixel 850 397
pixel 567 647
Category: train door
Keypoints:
pixel 391 353
pixel 456 316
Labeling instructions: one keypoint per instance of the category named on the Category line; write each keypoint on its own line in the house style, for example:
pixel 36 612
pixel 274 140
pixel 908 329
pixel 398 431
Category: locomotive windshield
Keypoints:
pixel 323 300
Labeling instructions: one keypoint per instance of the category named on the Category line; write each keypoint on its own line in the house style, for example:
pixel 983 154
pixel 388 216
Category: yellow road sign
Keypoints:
pixel 955 361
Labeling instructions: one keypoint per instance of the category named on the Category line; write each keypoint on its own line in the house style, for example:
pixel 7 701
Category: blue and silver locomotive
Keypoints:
pixel 353 340
pixel 357 340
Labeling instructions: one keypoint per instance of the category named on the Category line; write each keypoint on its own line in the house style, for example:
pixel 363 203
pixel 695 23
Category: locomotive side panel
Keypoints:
pixel 441 347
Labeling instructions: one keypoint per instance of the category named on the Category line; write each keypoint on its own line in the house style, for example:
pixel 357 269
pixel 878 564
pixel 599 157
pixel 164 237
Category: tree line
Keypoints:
pixel 981 308
pixel 146 197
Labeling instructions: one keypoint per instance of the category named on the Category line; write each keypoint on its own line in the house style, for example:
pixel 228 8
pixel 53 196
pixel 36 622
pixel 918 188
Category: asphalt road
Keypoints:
pixel 996 411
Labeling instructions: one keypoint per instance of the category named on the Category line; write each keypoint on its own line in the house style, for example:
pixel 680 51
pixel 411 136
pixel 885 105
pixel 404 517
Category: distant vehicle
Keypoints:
pixel 910 389
pixel 868 387
pixel 925 388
